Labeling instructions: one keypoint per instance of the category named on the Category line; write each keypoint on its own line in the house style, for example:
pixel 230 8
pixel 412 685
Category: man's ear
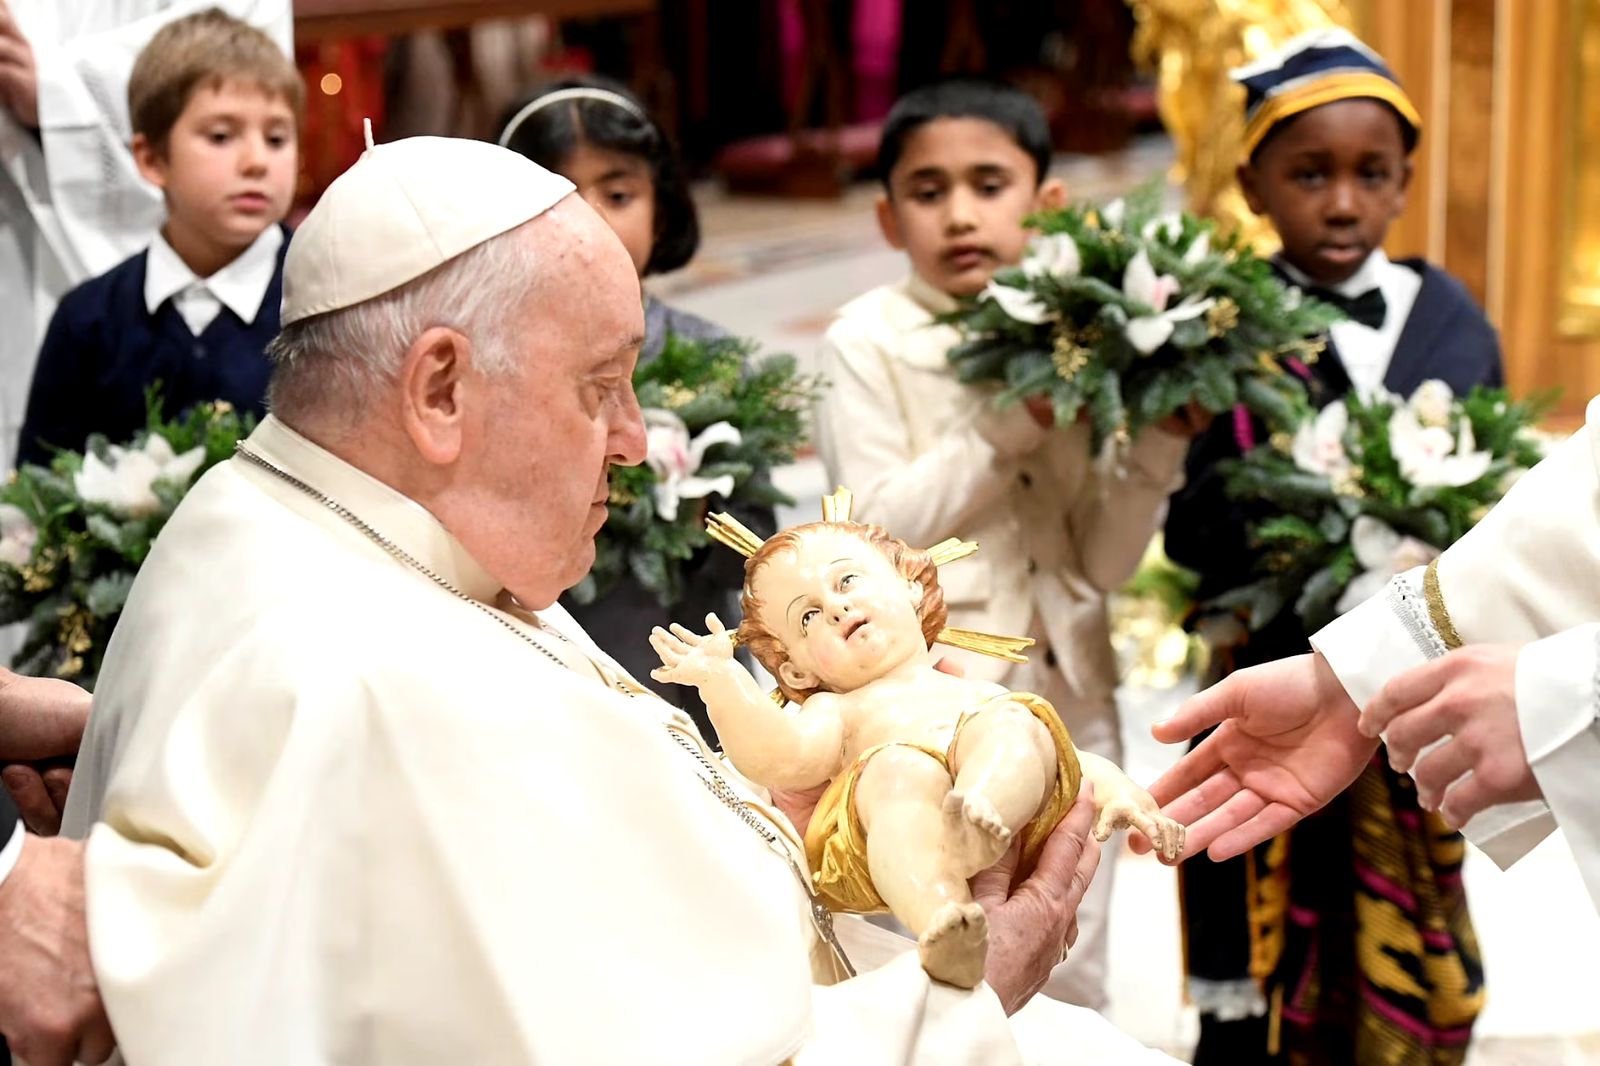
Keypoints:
pixel 433 384
pixel 888 224
pixel 916 592
pixel 795 677
pixel 1250 185
pixel 1052 195
pixel 151 161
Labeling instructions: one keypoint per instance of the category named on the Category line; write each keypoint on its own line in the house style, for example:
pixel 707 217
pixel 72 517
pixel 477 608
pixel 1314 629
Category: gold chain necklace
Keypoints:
pixel 715 783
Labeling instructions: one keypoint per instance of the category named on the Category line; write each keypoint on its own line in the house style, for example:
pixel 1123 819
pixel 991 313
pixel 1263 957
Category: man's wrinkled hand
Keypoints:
pixel 42 720
pixel 1042 410
pixel 1466 704
pixel 40 793
pixel 1190 420
pixel 50 1009
pixel 1032 925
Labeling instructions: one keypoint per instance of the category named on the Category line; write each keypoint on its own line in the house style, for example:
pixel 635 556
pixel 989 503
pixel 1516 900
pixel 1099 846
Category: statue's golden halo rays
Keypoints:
pixel 836 507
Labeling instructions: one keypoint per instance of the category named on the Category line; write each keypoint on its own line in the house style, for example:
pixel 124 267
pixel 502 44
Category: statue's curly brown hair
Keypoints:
pixel 912 563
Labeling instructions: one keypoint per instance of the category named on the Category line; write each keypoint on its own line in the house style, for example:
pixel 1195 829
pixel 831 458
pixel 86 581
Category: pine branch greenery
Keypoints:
pixel 74 533
pixel 717 420
pixel 1370 488
pixel 1125 314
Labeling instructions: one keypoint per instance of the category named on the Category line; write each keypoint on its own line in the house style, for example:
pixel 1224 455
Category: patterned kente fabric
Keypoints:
pixel 1378 963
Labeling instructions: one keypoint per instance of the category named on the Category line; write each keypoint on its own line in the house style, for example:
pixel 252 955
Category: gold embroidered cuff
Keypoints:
pixel 1438 614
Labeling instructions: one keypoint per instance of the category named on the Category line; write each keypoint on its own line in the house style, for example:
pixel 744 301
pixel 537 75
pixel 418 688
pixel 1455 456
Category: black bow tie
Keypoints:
pixel 1368 309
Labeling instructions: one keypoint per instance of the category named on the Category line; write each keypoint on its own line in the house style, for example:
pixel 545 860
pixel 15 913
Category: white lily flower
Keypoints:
pixel 676 458
pixel 1382 553
pixel 1319 443
pixel 1544 441
pixel 1111 214
pixel 1142 284
pixel 1020 304
pixel 1053 254
pixel 17 536
pixel 1432 403
pixel 1430 457
pixel 1169 227
pixel 126 484
pixel 1198 250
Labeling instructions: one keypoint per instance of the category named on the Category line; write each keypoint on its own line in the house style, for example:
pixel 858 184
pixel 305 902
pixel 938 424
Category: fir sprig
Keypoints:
pixel 1352 485
pixel 702 382
pixel 1085 321
pixel 71 558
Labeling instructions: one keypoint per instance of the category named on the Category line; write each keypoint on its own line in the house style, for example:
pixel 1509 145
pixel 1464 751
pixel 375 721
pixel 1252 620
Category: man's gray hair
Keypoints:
pixel 333 361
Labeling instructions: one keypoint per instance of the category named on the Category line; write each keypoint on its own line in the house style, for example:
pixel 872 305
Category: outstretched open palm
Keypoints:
pixel 1286 743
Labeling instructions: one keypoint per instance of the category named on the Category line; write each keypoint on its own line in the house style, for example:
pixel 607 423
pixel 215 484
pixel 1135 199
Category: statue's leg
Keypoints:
pixel 900 799
pixel 1005 768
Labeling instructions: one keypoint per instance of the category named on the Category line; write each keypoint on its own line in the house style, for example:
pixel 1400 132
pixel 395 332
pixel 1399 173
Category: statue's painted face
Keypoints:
pixel 845 615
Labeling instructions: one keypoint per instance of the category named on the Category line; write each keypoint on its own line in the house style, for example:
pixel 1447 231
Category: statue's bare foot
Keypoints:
pixel 954 945
pixel 975 831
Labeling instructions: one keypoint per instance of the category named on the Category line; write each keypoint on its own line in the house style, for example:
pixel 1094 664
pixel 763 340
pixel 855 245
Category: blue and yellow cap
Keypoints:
pixel 1317 67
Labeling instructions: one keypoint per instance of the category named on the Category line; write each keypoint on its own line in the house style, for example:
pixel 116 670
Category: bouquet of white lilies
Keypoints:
pixel 1370 488
pixel 73 534
pixel 1130 314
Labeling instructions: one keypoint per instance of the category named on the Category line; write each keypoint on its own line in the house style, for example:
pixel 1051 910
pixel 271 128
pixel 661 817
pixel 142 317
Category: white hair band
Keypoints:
pixel 577 92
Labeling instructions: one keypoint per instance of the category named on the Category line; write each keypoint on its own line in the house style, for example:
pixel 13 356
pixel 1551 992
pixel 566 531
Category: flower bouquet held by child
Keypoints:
pixel 73 534
pixel 1130 315
pixel 714 419
pixel 931 777
pixel 1372 487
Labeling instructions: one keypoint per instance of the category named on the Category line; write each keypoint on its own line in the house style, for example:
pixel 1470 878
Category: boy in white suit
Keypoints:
pixel 962 164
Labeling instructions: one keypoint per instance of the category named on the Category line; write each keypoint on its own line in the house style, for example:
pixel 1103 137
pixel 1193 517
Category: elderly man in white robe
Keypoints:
pixel 365 795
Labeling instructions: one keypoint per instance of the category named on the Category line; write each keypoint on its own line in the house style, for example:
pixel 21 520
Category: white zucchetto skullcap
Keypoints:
pixel 403 209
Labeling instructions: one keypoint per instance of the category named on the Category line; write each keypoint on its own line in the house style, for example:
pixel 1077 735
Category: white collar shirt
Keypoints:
pixel 1364 351
pixel 241 286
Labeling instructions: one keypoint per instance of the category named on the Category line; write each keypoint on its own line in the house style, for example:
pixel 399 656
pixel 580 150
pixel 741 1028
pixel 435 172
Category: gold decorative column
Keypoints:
pixel 1191 45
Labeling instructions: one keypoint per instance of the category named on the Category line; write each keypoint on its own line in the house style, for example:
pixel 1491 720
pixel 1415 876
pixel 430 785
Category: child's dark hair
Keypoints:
pixel 549 135
pixel 1004 105
pixel 1409 134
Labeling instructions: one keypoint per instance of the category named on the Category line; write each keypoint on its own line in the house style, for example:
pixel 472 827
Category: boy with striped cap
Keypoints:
pixel 1348 939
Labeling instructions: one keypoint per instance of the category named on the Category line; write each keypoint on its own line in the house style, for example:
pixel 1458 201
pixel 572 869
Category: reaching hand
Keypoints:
pixel 1190 420
pixel 688 658
pixel 1469 699
pixel 50 1010
pixel 19 78
pixel 41 724
pixel 1287 743
pixel 1042 410
pixel 1032 926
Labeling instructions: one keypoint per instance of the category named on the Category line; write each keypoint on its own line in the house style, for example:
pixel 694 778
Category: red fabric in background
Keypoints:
pixel 331 139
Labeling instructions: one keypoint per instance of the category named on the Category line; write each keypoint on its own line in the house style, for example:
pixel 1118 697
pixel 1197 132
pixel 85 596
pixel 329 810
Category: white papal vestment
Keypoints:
pixel 1529 574
pixel 347 817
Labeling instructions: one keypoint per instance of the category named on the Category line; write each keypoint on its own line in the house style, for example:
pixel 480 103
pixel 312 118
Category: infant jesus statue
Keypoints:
pixel 931 776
